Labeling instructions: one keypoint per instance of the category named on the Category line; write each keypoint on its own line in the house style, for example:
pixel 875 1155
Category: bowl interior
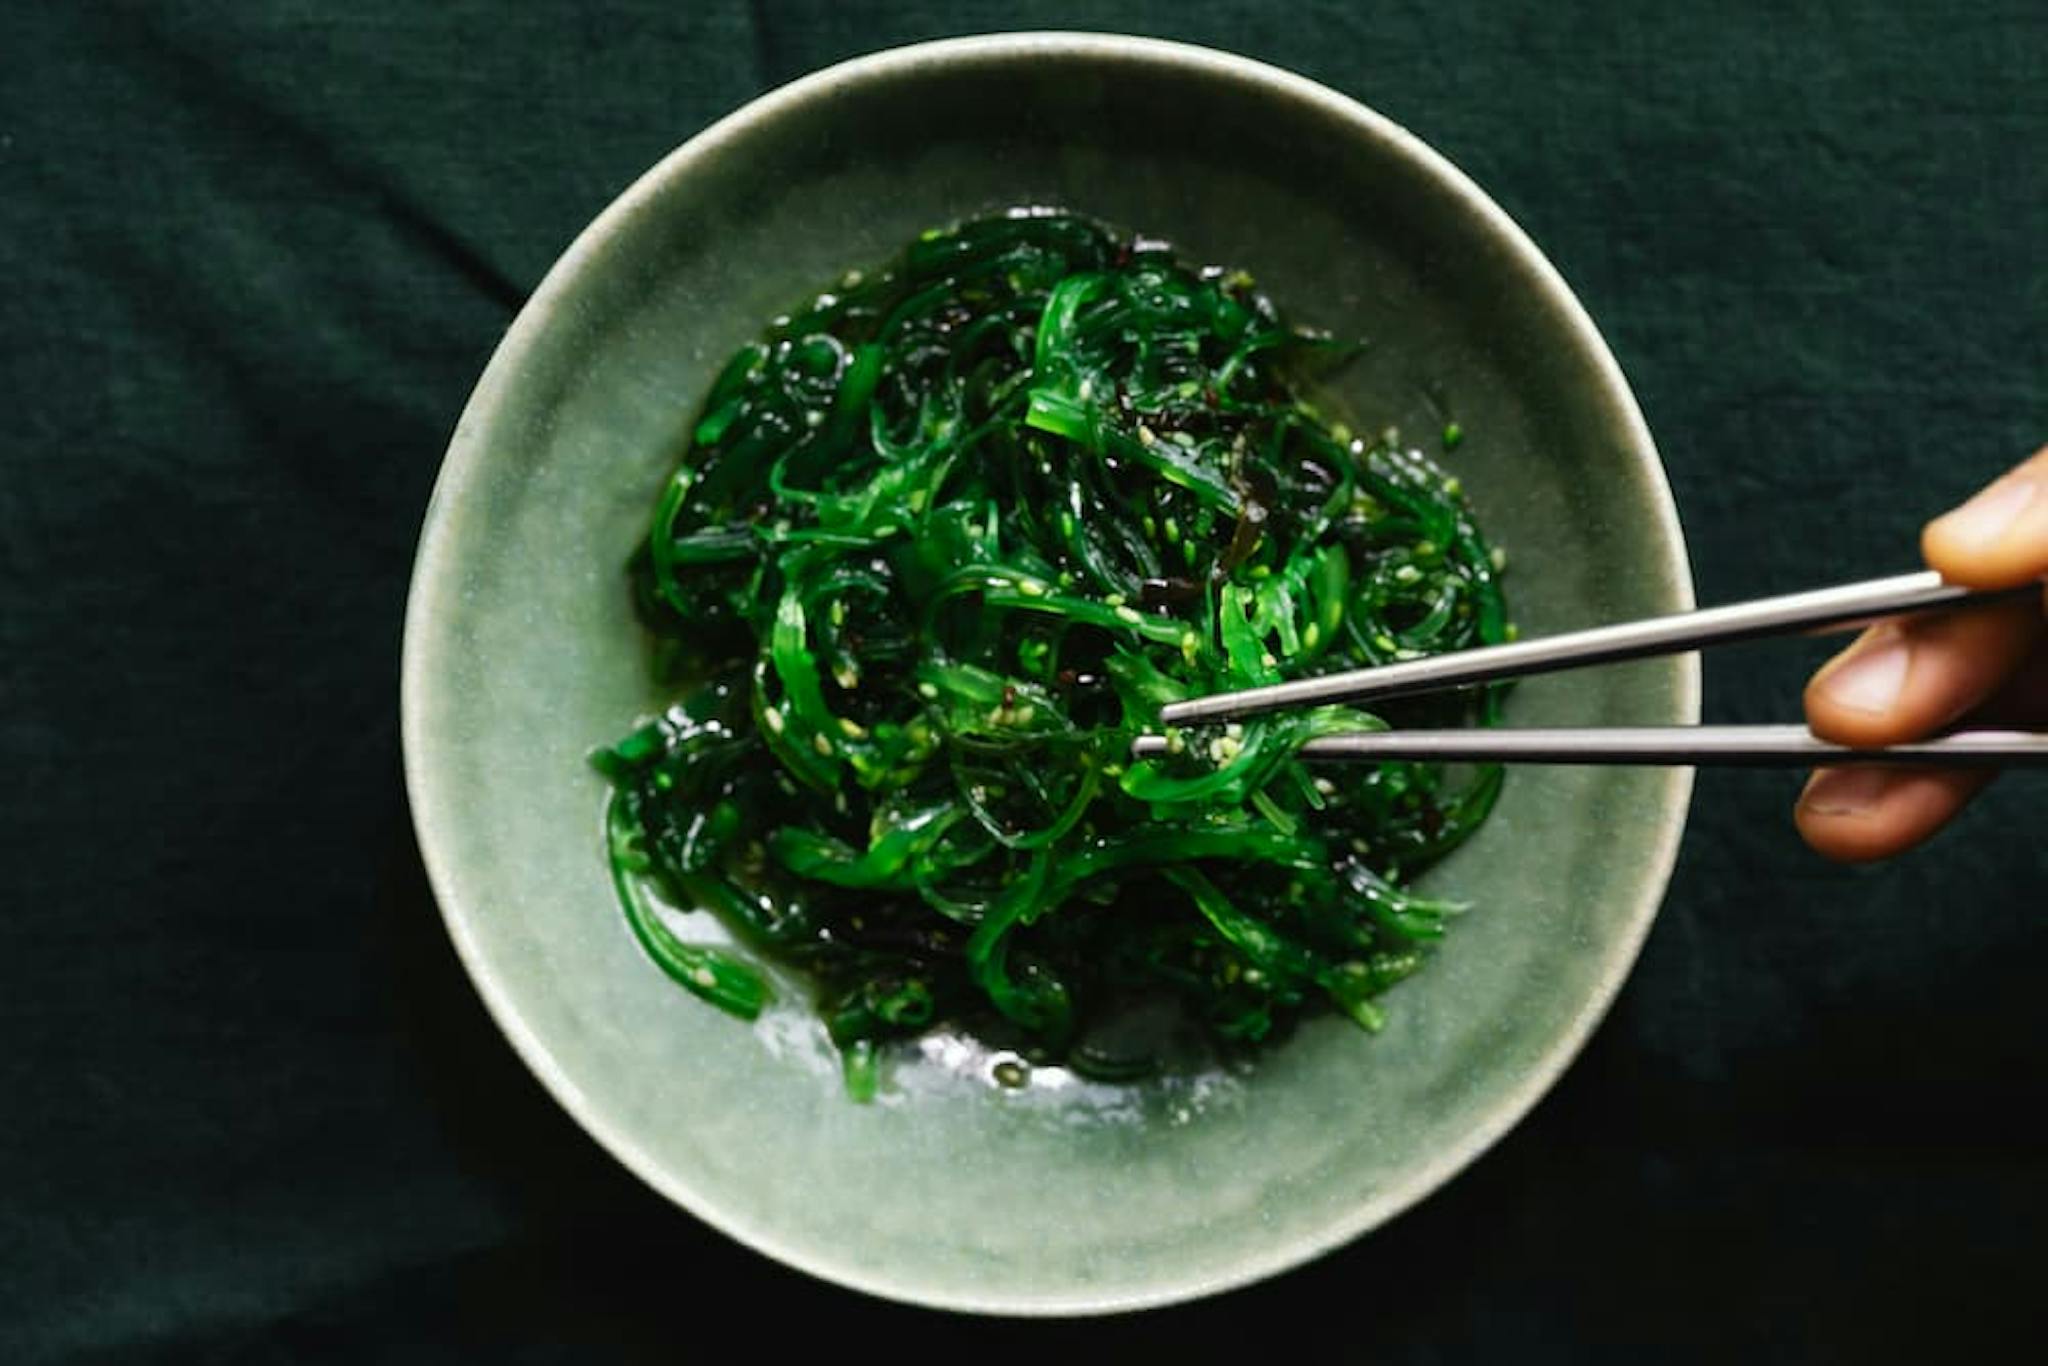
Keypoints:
pixel 521 655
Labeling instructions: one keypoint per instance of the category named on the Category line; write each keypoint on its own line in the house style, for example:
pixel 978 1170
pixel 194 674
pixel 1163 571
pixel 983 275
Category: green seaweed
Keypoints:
pixel 943 542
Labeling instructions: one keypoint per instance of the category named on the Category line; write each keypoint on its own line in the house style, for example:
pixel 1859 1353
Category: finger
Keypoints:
pixel 1859 813
pixel 1905 679
pixel 1998 539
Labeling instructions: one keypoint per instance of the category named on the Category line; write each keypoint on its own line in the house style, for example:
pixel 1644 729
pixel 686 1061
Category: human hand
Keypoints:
pixel 1905 679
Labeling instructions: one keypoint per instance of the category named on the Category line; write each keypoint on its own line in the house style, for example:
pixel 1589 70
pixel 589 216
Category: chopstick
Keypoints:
pixel 1737 746
pixel 1820 609
pixel 1751 746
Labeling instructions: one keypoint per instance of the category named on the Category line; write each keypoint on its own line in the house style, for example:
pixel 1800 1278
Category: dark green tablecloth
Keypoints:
pixel 254 256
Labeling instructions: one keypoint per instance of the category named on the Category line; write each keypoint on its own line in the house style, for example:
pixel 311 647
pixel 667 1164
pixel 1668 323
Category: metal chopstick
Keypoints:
pixel 1848 604
pixel 1741 746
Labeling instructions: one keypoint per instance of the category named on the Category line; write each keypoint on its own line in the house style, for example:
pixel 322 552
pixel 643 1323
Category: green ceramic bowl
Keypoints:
pixel 520 655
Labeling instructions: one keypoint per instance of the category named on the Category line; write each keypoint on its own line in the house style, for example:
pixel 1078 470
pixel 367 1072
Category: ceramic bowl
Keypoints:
pixel 520 655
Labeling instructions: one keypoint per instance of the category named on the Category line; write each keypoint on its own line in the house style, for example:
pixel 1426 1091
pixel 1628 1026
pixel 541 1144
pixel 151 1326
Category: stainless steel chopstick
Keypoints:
pixel 1848 604
pixel 1741 746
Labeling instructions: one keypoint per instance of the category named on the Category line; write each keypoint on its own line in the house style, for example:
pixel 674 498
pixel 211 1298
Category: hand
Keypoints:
pixel 1905 679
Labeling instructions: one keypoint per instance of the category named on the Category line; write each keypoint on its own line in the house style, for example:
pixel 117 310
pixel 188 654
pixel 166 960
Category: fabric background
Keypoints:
pixel 254 257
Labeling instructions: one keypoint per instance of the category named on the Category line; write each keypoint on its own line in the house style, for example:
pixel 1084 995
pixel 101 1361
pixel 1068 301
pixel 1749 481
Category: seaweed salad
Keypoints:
pixel 943 542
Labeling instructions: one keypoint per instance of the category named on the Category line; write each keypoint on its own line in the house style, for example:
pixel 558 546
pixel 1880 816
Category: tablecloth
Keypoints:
pixel 254 255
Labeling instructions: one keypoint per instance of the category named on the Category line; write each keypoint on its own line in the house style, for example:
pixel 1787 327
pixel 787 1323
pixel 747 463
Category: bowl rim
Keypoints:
pixel 467 451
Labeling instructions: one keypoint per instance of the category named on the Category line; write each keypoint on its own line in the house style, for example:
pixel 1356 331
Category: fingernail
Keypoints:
pixel 1983 519
pixel 1845 791
pixel 1871 678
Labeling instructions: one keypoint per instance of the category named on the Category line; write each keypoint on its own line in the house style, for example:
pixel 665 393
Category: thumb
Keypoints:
pixel 1999 539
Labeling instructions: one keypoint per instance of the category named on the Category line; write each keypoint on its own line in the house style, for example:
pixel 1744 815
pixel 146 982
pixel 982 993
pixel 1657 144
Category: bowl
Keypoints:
pixel 1061 1197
